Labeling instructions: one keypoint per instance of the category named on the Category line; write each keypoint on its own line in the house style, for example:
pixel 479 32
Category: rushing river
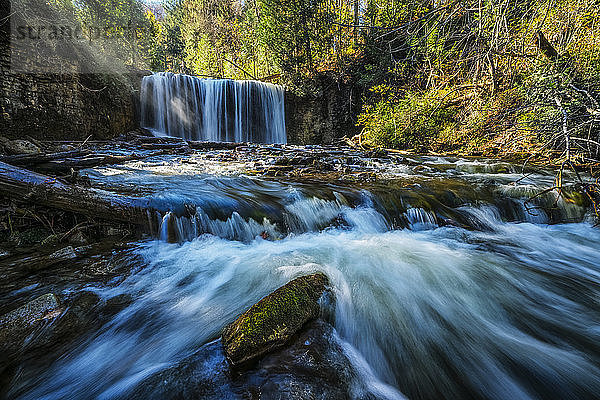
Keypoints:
pixel 446 286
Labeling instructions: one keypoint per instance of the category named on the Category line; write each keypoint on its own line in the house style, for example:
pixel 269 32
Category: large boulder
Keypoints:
pixel 314 365
pixel 15 325
pixel 15 147
pixel 272 321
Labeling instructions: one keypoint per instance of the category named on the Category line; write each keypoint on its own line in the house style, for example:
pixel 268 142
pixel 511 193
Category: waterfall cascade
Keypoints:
pixel 220 110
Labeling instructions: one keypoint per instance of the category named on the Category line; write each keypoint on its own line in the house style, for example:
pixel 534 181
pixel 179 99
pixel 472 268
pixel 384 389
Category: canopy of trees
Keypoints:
pixel 434 74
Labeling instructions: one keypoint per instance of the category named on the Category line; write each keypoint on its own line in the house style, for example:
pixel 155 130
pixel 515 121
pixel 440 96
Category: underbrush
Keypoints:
pixel 530 89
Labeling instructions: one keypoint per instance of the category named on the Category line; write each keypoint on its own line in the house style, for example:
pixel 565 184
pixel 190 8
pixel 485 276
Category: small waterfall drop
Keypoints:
pixel 217 110
pixel 470 285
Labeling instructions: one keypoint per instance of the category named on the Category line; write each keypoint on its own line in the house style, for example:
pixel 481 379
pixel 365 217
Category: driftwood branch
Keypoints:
pixel 30 187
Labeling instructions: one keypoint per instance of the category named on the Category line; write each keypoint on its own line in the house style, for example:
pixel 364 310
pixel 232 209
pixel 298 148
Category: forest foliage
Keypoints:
pixel 473 76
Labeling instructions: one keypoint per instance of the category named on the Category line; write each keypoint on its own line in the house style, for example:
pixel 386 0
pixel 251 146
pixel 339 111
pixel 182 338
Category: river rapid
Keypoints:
pixel 448 282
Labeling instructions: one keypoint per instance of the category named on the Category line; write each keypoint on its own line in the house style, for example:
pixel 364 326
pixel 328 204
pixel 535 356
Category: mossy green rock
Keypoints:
pixel 272 321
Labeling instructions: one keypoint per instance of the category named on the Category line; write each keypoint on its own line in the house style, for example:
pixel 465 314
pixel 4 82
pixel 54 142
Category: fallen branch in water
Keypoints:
pixel 34 159
pixel 30 187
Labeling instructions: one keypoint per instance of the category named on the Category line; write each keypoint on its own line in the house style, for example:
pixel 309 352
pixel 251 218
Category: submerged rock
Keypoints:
pixel 46 322
pixel 272 321
pixel 43 330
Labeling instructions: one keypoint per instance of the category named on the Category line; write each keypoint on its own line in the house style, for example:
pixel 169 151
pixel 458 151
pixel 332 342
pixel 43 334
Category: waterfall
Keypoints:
pixel 218 110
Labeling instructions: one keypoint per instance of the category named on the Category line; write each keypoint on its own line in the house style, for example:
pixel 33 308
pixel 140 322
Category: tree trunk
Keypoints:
pixel 27 186
pixel 356 20
pixel 545 47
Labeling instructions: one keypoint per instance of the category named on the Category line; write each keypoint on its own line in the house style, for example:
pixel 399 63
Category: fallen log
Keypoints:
pixel 214 145
pixel 65 165
pixel 33 159
pixel 30 187
pixel 26 263
pixel 64 162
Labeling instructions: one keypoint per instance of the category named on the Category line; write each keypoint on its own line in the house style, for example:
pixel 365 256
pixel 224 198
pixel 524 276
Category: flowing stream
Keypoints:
pixel 447 286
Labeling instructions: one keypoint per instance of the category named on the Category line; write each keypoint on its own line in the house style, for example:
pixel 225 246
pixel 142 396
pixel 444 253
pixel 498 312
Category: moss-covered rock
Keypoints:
pixel 314 365
pixel 272 321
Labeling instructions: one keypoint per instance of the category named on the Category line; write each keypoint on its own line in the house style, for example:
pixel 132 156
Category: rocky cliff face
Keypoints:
pixel 67 106
pixel 324 111
pixel 74 106
pixel 64 106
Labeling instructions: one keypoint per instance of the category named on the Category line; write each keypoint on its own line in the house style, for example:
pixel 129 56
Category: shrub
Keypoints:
pixel 412 121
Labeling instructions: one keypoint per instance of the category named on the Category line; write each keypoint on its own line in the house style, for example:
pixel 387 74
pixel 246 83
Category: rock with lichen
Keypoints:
pixel 15 324
pixel 313 365
pixel 19 146
pixel 272 321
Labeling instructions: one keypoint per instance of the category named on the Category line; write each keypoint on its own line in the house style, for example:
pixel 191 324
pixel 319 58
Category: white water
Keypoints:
pixel 502 310
pixel 445 313
pixel 218 110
